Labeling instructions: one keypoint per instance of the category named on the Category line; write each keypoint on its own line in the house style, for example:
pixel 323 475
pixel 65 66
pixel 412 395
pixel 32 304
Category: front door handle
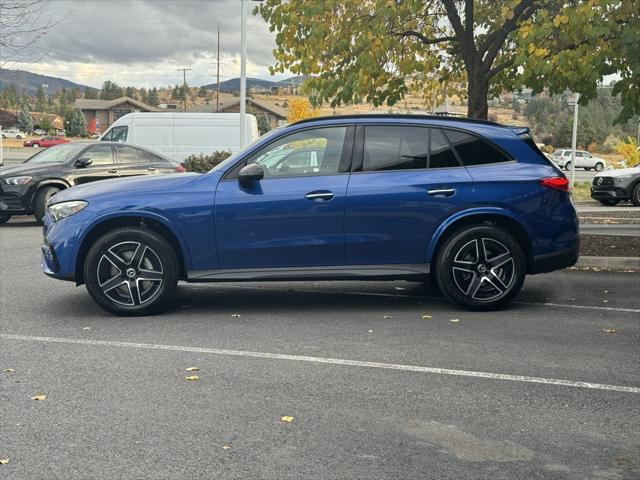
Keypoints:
pixel 442 192
pixel 319 196
pixel 113 171
pixel 152 169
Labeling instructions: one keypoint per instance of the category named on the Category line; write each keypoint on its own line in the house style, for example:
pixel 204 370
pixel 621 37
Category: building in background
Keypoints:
pixel 100 114
pixel 276 116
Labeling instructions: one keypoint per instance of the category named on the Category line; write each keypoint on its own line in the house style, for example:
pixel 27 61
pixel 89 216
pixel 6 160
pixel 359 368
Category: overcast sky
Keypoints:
pixel 143 42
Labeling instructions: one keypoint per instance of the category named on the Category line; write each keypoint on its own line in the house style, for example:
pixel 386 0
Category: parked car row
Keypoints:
pixel 25 188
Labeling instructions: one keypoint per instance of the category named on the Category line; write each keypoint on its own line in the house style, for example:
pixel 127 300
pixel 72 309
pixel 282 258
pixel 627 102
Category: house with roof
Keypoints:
pixel 100 114
pixel 275 115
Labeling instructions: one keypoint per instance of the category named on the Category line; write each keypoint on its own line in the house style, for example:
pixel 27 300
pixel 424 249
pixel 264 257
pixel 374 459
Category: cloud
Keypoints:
pixel 142 43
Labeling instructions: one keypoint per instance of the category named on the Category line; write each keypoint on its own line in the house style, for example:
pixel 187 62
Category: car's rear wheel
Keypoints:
pixel 609 203
pixel 635 195
pixel 35 145
pixel 599 167
pixel 567 167
pixel 131 271
pixel 40 202
pixel 481 268
pixel 4 218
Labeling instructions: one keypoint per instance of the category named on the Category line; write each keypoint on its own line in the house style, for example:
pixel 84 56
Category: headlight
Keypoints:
pixel 17 180
pixel 65 209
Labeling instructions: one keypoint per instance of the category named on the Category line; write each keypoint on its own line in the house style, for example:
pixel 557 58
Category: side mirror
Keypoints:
pixel 83 162
pixel 250 173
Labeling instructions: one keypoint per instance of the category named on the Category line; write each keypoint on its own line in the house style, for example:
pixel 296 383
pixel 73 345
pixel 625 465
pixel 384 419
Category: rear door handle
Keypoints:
pixel 113 171
pixel 319 196
pixel 442 192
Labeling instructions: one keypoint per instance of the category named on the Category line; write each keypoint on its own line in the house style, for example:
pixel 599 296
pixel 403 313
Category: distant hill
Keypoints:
pixel 28 82
pixel 233 85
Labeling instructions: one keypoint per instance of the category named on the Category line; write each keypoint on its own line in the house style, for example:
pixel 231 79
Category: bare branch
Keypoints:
pixel 493 42
pixel 423 39
pixel 498 68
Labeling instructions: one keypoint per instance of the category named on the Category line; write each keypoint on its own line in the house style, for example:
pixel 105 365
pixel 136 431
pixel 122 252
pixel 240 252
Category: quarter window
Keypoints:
pixel 309 152
pixel 127 154
pixel 473 150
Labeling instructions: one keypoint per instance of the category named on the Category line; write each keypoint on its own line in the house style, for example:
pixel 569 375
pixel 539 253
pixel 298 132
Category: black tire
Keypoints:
pixel 567 167
pixel 35 145
pixel 481 268
pixel 131 271
pixel 40 203
pixel 19 137
pixel 609 203
pixel 635 195
pixel 599 167
pixel 4 219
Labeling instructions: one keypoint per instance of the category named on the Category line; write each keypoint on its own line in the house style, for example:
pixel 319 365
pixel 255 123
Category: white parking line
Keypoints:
pixel 330 361
pixel 404 295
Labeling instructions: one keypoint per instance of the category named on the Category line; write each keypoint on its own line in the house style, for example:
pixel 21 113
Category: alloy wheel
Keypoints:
pixel 483 269
pixel 130 273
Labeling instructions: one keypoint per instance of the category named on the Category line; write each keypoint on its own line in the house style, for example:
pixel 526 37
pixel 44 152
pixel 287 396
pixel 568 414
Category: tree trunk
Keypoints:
pixel 477 92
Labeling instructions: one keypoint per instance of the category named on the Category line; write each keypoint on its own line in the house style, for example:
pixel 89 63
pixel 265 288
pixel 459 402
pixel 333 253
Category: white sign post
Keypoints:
pixel 573 140
pixel 243 71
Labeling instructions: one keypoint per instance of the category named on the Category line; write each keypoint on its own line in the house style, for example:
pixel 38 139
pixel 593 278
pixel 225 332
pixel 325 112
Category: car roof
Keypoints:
pixel 386 116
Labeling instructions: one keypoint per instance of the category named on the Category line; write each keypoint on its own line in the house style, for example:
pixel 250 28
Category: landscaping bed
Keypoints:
pixel 609 246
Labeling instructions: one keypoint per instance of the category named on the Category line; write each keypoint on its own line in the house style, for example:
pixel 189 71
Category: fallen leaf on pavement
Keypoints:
pixel 454 320
pixel 8 370
pixel 606 291
pixel 192 369
pixel 286 418
pixel 370 331
pixel 4 461
pixel 86 328
pixel 192 377
pixel 387 316
pixel 400 288
pixel 40 396
pixel 226 447
pixel 609 330
pixel 235 315
pixel 426 317
pixel 605 301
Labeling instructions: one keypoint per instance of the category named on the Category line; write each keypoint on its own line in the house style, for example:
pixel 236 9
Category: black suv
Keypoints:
pixel 25 188
pixel 613 186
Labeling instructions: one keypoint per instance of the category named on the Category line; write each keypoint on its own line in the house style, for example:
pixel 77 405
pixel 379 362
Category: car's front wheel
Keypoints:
pixel 481 268
pixel 599 166
pixel 4 218
pixel 635 195
pixel 131 271
pixel 40 202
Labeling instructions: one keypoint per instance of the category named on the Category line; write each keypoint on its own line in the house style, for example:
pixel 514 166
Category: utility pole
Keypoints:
pixel 218 73
pixel 184 85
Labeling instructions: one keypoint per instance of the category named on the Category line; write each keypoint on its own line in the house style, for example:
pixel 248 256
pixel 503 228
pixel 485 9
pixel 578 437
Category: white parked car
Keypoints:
pixel 13 133
pixel 177 135
pixel 584 159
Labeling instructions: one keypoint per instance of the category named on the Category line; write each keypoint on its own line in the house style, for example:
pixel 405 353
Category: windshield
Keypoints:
pixel 57 154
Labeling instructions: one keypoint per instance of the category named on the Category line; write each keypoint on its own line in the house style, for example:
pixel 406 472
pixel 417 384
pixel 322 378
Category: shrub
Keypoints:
pixel 547 148
pixel 203 163
pixel 592 147
pixel 629 150
pixel 611 143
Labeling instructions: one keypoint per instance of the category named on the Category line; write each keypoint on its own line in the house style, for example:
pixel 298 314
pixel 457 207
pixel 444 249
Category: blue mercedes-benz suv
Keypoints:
pixel 473 204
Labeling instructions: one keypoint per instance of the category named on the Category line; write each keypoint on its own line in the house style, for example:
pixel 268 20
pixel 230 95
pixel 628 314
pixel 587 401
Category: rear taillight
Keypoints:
pixel 556 183
pixel 180 169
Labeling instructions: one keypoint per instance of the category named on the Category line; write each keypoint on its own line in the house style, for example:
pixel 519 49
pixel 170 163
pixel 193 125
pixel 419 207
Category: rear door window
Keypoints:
pixel 473 150
pixel 391 147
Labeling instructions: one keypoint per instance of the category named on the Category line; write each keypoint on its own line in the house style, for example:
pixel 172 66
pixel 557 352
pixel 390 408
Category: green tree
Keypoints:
pixel 143 95
pixel 45 124
pixel 378 51
pixel 25 122
pixel 130 92
pixel 77 124
pixel 153 98
pixel 41 100
pixel 90 93
pixel 110 90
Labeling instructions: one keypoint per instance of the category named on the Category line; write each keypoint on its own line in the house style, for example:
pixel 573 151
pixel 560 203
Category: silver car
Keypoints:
pixel 584 159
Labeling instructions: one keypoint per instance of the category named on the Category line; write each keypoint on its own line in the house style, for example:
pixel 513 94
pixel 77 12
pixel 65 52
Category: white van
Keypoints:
pixel 177 135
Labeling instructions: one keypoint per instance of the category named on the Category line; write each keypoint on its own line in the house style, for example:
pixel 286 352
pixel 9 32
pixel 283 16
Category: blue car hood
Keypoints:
pixel 142 184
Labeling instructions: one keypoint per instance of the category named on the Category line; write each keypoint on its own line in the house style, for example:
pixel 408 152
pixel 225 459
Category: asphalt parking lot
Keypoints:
pixel 382 379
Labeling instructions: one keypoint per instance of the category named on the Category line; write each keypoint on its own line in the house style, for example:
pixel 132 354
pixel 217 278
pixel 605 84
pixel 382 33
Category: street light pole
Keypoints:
pixel 574 136
pixel 243 71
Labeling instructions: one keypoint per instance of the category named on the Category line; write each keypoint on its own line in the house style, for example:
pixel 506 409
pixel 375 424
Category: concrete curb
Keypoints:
pixel 623 263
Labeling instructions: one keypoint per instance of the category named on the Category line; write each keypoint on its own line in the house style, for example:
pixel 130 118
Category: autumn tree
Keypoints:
pixel 299 109
pixel 377 50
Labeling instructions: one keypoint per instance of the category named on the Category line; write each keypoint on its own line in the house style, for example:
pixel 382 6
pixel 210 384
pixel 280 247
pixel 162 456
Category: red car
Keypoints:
pixel 45 142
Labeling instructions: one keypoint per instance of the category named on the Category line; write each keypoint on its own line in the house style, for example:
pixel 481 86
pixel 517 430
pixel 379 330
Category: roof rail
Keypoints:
pixel 401 115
